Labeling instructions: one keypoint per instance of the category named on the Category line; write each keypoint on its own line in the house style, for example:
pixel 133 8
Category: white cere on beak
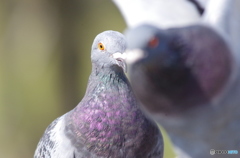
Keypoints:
pixel 121 60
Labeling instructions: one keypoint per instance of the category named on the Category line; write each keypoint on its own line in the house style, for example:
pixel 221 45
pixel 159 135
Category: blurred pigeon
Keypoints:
pixel 107 123
pixel 162 13
pixel 182 68
pixel 188 79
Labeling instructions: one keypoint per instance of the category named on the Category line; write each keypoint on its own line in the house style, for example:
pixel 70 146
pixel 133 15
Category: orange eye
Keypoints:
pixel 101 46
pixel 153 42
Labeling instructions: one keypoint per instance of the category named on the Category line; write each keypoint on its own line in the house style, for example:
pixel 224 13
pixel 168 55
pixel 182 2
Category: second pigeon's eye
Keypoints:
pixel 101 46
pixel 153 42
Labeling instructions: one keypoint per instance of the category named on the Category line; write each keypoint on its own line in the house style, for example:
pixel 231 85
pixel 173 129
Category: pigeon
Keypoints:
pixel 108 122
pixel 187 79
pixel 179 70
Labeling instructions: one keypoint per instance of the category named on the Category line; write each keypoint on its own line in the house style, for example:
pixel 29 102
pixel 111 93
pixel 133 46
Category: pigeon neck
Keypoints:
pixel 106 91
pixel 107 111
pixel 106 73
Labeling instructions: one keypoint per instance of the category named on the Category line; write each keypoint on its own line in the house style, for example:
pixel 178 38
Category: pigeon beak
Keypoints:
pixel 134 55
pixel 121 60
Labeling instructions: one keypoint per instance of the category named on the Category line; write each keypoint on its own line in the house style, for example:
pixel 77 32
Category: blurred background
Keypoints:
pixel 45 63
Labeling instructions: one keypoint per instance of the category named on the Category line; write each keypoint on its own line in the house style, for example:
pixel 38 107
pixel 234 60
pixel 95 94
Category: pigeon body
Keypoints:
pixel 189 87
pixel 107 123
pixel 188 79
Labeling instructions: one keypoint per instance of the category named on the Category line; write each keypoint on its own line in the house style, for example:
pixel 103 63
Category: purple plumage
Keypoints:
pixel 107 123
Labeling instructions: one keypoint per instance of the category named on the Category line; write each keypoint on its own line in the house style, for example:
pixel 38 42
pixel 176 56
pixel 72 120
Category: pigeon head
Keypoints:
pixel 181 67
pixel 148 44
pixel 107 50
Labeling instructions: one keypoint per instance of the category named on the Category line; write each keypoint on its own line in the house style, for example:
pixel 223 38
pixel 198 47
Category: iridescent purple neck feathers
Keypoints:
pixel 108 121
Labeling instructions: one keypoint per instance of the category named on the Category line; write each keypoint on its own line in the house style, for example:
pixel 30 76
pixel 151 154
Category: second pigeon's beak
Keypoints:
pixel 121 60
pixel 134 55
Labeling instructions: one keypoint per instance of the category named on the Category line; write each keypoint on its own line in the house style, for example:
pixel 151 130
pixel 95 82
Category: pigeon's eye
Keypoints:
pixel 101 46
pixel 153 42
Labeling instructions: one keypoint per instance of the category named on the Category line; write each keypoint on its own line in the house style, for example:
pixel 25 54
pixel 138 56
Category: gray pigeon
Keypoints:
pixel 176 71
pixel 107 123
pixel 187 79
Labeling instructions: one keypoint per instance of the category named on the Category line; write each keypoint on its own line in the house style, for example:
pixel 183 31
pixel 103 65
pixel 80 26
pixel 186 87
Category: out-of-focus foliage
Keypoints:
pixel 45 63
